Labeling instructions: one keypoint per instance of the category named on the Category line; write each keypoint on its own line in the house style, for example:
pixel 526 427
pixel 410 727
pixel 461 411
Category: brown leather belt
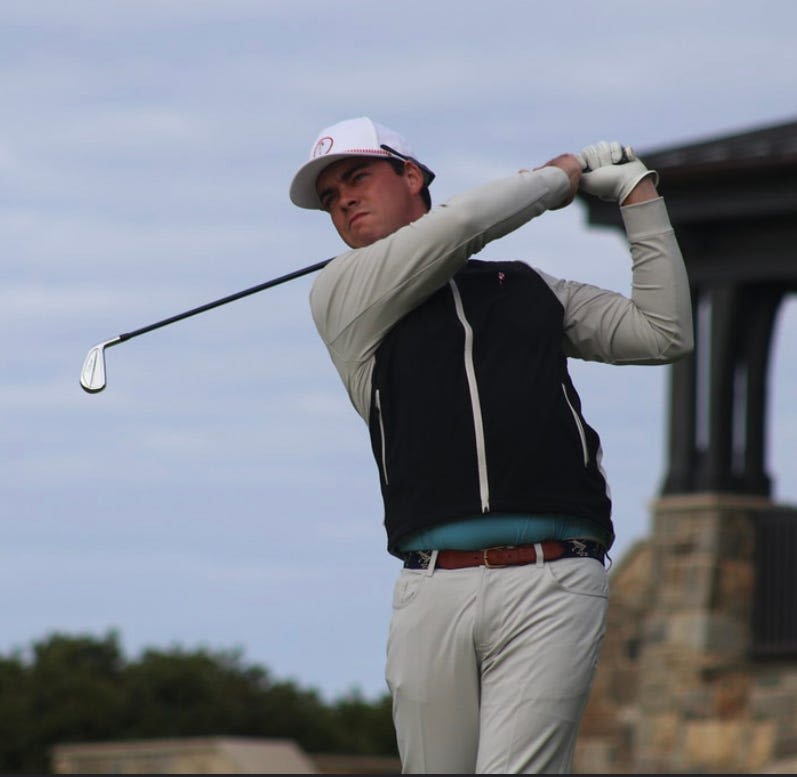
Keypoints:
pixel 506 556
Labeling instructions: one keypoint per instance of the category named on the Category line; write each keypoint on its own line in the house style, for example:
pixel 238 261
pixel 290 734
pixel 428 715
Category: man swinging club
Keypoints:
pixel 495 499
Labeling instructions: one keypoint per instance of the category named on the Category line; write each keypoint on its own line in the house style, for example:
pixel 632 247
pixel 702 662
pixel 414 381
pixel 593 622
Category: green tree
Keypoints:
pixel 365 727
pixel 82 689
pixel 180 693
pixel 16 733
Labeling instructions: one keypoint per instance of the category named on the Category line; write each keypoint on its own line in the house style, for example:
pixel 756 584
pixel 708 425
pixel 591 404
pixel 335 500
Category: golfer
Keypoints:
pixel 495 500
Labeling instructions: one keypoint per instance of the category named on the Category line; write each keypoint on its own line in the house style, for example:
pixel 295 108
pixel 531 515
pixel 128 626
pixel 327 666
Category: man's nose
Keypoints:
pixel 348 197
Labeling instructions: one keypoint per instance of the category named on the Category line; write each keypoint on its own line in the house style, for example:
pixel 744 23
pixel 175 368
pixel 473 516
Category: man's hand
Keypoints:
pixel 572 166
pixel 611 178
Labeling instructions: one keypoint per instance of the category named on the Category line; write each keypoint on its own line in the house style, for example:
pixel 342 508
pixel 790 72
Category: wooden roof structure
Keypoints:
pixel 732 200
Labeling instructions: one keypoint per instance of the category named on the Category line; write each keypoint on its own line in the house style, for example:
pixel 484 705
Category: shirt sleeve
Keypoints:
pixel 654 325
pixel 361 294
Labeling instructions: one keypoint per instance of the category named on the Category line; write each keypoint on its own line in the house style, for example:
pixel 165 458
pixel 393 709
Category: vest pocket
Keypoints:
pixel 382 441
pixel 579 427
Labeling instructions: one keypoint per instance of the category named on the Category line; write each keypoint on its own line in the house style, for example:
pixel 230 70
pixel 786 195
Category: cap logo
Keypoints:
pixel 323 147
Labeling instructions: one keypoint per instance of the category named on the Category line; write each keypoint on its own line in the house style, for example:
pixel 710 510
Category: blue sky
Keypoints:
pixel 220 492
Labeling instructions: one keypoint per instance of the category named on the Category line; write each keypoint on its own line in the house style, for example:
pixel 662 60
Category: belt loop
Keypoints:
pixel 539 553
pixel 432 563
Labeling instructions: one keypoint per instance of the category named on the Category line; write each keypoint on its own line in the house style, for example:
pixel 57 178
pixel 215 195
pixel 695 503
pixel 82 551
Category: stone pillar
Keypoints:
pixel 694 678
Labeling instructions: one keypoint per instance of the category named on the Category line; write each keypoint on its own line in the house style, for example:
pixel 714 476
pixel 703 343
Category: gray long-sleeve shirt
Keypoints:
pixel 362 293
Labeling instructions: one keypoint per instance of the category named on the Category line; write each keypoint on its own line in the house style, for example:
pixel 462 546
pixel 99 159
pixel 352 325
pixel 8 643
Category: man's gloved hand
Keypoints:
pixel 612 171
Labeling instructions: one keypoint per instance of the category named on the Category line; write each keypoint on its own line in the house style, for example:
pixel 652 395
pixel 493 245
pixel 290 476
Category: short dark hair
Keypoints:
pixel 398 168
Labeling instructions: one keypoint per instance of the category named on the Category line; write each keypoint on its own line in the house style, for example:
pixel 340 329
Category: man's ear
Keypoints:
pixel 413 176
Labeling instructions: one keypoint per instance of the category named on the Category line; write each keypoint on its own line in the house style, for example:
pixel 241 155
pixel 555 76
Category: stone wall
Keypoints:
pixel 677 690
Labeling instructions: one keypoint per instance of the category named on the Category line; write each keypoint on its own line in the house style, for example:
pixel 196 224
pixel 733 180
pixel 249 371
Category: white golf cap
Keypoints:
pixel 352 137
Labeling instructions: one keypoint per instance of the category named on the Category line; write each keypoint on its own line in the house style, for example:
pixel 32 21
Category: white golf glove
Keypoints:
pixel 611 171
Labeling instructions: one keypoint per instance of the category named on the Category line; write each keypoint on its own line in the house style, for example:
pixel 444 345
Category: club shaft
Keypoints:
pixel 224 300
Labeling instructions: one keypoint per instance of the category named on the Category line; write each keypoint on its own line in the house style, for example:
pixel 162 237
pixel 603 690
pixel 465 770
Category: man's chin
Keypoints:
pixel 361 239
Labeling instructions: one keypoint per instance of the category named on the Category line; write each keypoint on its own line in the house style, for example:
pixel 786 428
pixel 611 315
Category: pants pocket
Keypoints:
pixel 584 576
pixel 407 587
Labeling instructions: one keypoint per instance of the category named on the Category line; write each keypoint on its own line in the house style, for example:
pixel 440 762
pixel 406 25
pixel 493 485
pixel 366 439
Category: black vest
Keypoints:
pixel 473 410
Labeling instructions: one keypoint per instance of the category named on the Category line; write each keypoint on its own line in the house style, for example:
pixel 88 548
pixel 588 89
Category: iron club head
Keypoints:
pixel 92 376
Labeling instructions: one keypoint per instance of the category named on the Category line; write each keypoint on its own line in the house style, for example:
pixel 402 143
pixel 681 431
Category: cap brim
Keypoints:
pixel 303 192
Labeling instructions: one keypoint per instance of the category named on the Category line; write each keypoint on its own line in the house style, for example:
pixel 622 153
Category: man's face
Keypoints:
pixel 367 200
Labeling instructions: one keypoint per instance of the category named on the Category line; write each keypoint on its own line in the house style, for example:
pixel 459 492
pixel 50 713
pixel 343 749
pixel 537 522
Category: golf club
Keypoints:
pixel 92 376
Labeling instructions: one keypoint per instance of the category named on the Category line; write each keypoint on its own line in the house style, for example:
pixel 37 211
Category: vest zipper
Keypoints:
pixel 382 435
pixel 579 426
pixel 478 423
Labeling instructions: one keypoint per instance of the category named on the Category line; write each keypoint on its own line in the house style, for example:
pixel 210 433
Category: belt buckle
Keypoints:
pixel 487 563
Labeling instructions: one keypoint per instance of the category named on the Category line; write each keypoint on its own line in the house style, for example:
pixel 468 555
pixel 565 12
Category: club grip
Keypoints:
pixel 628 156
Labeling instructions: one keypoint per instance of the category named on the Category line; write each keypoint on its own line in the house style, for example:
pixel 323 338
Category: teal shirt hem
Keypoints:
pixel 498 530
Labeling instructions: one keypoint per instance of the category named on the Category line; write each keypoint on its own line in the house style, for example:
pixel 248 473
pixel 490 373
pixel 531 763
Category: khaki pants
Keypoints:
pixel 490 669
